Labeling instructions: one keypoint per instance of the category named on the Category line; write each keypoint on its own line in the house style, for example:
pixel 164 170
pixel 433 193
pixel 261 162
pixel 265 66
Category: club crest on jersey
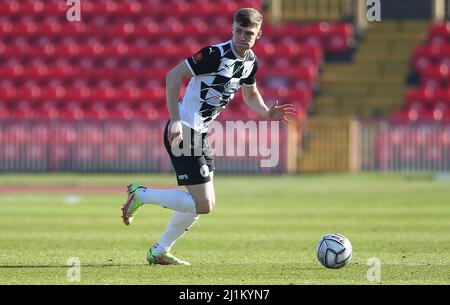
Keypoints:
pixel 204 170
pixel 197 57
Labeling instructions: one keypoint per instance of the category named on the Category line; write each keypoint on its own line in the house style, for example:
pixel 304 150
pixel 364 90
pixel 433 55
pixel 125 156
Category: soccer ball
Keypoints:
pixel 334 251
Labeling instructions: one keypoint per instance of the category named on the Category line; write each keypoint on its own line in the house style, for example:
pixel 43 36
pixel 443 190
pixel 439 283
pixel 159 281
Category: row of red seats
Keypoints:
pixel 439 34
pixel 157 30
pixel 426 56
pixel 117 70
pixel 335 38
pixel 129 92
pixel 300 77
pixel 418 112
pixel 435 77
pixel 107 27
pixel 126 8
pixel 431 62
pixel 425 104
pixel 137 57
pixel 428 96
pixel 124 54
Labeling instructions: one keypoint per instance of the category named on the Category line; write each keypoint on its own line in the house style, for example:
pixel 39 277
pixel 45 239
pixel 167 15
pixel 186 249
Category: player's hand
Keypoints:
pixel 174 134
pixel 281 112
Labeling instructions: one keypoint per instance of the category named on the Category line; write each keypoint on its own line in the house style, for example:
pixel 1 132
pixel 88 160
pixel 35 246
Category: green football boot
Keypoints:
pixel 133 204
pixel 167 258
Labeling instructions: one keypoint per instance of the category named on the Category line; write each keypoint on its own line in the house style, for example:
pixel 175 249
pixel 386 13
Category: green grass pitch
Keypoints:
pixel 264 230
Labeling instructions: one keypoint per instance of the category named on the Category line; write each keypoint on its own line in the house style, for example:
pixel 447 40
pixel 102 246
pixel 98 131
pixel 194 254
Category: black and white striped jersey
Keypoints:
pixel 218 72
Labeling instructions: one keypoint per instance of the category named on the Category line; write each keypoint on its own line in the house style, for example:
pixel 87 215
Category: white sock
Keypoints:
pixel 176 200
pixel 177 227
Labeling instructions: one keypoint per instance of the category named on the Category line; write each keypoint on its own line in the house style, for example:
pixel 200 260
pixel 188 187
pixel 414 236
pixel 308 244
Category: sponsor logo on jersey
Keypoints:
pixel 182 177
pixel 197 57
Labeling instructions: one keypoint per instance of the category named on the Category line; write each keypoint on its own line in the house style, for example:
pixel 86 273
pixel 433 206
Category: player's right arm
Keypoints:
pixel 174 81
pixel 205 61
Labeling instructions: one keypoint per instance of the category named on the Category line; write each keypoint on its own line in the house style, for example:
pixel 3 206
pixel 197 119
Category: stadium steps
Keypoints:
pixel 374 83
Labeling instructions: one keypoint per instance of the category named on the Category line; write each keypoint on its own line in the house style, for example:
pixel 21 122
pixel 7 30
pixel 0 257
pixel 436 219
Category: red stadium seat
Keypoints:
pixel 139 48
pixel 22 110
pixel 67 48
pixel 419 96
pixel 18 48
pixel 10 8
pixel 121 110
pixel 46 110
pixel 415 112
pixel 96 110
pixel 105 8
pixel 441 111
pixel 58 8
pixel 92 48
pixel 264 49
pixel 38 69
pixel 313 34
pixel 78 94
pixel 12 69
pixel 337 44
pixel 435 76
pixel 25 28
pixel 441 96
pixel 423 57
pixel 50 28
pixel 146 110
pixel 8 94
pixel 339 38
pixel 4 111
pixel 130 9
pixel 149 27
pixel 32 93
pixel 71 111
pixel 438 34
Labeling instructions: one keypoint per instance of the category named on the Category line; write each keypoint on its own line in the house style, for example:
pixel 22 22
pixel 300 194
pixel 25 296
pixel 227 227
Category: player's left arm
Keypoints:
pixel 254 100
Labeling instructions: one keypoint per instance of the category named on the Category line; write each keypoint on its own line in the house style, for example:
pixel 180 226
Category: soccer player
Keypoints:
pixel 216 73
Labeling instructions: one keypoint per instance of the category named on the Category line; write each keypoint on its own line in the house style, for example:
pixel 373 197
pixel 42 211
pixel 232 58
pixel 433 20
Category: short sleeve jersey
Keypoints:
pixel 218 72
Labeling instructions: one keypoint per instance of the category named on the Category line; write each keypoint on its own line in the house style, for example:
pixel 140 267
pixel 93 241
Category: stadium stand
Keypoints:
pixel 430 99
pixel 426 107
pixel 113 63
pixel 84 78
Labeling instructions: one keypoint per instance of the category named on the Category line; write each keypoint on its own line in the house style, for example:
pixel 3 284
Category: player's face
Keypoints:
pixel 244 38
